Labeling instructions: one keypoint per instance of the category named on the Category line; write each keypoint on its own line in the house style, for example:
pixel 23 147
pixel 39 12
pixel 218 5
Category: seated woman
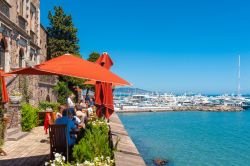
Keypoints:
pixel 83 104
pixel 80 114
pixel 59 113
pixel 67 119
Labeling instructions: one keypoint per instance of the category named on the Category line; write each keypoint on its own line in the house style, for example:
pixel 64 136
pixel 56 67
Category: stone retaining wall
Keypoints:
pixel 126 153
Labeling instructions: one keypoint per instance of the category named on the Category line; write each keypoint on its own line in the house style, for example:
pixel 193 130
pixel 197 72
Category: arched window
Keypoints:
pixel 3 46
pixel 21 57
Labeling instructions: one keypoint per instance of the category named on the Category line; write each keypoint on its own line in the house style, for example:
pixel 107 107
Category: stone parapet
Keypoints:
pixel 126 153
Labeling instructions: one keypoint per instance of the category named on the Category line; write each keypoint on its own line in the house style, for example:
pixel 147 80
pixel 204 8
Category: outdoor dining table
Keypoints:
pixel 39 113
pixel 75 131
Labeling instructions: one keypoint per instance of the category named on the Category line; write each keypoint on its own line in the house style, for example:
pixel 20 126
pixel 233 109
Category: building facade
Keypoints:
pixel 23 42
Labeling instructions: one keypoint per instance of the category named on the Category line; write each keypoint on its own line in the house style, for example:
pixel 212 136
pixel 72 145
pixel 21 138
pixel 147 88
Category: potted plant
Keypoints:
pixel 15 97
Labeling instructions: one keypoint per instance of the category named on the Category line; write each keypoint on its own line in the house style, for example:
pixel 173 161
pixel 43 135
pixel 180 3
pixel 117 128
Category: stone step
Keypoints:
pixel 17 136
pixel 13 131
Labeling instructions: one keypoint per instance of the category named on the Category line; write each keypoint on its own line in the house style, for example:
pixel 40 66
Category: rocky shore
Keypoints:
pixel 182 108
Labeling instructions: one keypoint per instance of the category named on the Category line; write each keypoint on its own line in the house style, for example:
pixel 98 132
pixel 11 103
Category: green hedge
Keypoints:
pixel 94 143
pixel 28 117
pixel 45 104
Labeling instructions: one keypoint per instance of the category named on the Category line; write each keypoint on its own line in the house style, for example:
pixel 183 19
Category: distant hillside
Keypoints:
pixel 130 91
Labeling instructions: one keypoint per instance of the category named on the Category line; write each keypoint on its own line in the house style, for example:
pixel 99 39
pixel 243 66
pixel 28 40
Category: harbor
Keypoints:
pixel 170 102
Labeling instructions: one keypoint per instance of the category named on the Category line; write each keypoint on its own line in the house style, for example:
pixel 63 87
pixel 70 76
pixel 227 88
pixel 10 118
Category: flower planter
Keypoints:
pixel 15 99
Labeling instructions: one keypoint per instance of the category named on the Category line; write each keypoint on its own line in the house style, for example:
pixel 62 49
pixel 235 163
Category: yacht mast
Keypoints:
pixel 239 78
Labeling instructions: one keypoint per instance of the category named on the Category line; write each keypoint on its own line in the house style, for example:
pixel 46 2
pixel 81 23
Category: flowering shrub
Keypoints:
pixel 98 161
pixel 98 122
pixel 94 143
pixel 93 148
pixel 58 161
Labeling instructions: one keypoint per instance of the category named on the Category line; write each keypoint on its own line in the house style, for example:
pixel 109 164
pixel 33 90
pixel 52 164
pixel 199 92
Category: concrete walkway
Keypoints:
pixel 27 151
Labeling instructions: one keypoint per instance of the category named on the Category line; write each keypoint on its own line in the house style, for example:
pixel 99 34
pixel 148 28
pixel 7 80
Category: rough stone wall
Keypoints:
pixel 43 44
pixel 32 40
pixel 13 10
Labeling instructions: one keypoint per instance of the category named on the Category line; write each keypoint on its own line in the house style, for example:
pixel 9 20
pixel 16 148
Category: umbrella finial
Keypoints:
pixel 105 53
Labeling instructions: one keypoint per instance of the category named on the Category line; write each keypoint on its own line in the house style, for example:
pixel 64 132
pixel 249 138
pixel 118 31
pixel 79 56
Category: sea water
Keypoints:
pixel 191 138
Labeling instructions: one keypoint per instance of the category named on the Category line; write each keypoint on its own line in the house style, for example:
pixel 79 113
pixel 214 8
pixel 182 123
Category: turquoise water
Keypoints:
pixel 192 138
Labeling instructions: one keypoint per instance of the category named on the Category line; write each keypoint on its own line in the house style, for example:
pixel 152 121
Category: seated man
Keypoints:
pixel 74 118
pixel 66 119
pixel 91 102
pixel 90 110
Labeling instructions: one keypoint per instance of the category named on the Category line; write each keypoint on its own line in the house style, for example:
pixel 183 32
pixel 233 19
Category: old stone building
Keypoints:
pixel 23 42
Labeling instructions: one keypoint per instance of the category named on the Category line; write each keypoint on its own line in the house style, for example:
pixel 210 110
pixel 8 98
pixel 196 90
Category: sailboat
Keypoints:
pixel 242 101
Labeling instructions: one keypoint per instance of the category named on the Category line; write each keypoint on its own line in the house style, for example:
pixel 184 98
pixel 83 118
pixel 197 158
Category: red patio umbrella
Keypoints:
pixel 92 82
pixel 103 90
pixel 5 97
pixel 73 66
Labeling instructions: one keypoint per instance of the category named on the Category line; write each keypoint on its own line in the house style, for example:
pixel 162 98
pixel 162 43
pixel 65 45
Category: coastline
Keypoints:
pixel 182 108
pixel 126 152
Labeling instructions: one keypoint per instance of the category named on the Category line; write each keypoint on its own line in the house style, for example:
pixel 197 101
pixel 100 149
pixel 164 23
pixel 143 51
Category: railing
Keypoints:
pixel 4 8
pixel 48 79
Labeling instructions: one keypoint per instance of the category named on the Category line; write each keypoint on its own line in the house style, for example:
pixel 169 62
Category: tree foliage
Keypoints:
pixel 62 35
pixel 62 38
pixel 93 56
pixel 63 92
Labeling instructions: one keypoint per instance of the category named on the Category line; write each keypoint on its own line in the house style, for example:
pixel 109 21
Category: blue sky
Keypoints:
pixel 167 45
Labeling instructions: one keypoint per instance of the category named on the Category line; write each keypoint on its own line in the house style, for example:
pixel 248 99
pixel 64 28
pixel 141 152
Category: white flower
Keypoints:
pixel 102 157
pixel 86 162
pixel 57 155
pixel 63 158
pixel 53 164
pixel 58 159
pixel 46 163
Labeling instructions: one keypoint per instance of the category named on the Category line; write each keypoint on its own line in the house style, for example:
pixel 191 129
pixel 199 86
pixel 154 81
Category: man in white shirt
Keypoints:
pixel 70 102
pixel 90 110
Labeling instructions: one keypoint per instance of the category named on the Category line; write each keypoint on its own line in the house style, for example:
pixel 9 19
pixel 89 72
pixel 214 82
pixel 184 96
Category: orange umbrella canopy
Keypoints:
pixel 5 97
pixel 73 66
pixel 105 61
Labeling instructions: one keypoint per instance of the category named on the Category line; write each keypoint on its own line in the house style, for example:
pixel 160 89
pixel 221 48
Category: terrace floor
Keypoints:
pixel 28 150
